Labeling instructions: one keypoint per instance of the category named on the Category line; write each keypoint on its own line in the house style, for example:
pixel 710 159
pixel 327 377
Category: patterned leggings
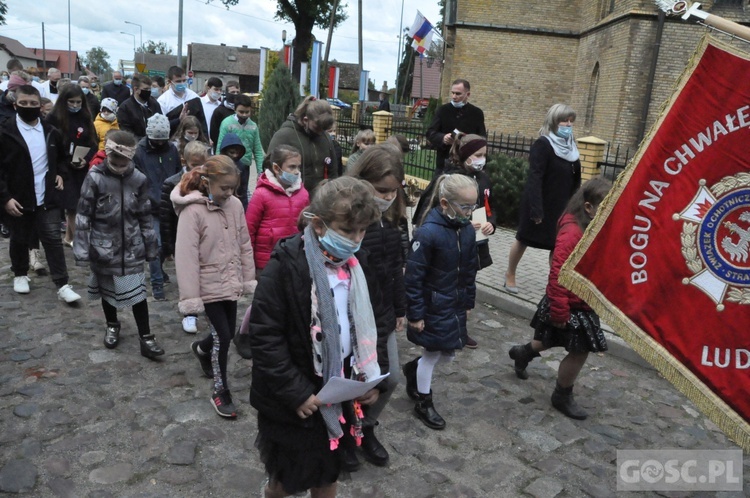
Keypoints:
pixel 222 317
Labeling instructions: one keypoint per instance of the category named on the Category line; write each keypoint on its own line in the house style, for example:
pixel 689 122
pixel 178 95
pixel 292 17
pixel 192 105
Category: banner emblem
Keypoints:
pixel 716 240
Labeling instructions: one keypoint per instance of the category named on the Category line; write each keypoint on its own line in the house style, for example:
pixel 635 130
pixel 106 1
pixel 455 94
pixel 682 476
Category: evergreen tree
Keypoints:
pixel 280 97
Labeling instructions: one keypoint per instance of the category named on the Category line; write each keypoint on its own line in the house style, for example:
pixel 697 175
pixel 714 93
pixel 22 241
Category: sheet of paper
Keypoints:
pixel 339 389
pixel 480 215
pixel 79 154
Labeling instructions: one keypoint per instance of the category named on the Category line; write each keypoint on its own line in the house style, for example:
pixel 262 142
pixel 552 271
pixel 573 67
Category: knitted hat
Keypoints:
pixel 109 103
pixel 15 81
pixel 157 127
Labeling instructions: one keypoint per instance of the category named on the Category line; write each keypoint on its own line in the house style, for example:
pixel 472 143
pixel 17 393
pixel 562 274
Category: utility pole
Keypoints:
pixel 361 65
pixel 70 51
pixel 330 36
pixel 179 36
pixel 44 52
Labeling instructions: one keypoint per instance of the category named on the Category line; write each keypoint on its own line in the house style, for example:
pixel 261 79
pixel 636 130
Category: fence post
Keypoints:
pixel 381 122
pixel 336 110
pixel 592 152
pixel 355 112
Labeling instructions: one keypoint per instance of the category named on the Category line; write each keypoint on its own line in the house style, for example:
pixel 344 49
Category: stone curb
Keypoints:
pixel 523 309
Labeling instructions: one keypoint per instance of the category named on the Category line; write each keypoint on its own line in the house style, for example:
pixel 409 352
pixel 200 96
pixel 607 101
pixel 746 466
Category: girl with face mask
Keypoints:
pixel 381 166
pixel 72 117
pixel 115 234
pixel 214 264
pixel 311 321
pixel 106 120
pixel 468 156
pixel 440 287
pixel 188 131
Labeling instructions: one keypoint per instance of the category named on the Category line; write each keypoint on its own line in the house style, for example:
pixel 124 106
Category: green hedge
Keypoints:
pixel 508 177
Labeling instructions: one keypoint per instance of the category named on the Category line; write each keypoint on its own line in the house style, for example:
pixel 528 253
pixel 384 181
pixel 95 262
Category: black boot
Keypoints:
pixel 347 452
pixel 562 399
pixel 427 413
pixel 374 452
pixel 242 343
pixel 522 356
pixel 149 347
pixel 410 373
pixel 112 335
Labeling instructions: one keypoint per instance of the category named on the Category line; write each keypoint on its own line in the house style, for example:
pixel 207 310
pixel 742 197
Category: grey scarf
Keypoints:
pixel 364 339
pixel 564 149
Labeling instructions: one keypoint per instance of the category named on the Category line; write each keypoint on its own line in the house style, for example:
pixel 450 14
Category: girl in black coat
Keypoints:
pixel 311 319
pixel 72 117
pixel 554 176
pixel 380 165
pixel 440 286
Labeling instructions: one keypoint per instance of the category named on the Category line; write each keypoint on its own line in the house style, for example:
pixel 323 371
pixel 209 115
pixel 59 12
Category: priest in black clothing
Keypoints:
pixel 458 114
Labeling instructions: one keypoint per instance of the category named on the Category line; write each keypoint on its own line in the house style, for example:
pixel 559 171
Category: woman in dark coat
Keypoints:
pixel 554 176
pixel 72 117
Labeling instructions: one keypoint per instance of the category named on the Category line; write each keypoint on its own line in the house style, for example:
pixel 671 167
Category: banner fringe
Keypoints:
pixel 713 407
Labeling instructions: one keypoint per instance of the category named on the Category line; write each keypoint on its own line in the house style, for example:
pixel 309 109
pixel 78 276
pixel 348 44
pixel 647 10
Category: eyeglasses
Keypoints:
pixel 465 208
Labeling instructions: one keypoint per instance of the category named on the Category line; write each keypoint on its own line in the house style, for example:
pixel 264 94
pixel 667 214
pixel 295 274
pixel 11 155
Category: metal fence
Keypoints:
pixel 615 161
pixel 346 130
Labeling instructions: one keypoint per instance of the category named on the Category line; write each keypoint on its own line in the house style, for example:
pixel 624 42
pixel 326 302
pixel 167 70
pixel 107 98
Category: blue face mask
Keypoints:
pixel 117 82
pixel 155 93
pixel 288 178
pixel 564 132
pixel 337 245
pixel 458 105
pixel 74 109
pixel 85 91
pixel 180 87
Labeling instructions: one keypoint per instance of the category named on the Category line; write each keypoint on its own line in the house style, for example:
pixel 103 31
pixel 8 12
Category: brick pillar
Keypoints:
pixel 355 112
pixel 382 121
pixel 592 152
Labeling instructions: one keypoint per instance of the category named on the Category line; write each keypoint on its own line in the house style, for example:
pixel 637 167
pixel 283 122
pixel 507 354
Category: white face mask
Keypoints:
pixel 458 105
pixel 478 164
pixel 383 204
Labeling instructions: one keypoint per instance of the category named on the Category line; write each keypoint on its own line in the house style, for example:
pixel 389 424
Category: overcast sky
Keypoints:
pixel 251 23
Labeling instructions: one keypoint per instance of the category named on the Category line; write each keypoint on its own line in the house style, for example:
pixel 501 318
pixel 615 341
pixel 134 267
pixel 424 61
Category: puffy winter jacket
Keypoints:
pixel 114 230
pixel 440 281
pixel 213 255
pixel 157 165
pixel 283 372
pixel 561 300
pixel 167 216
pixel 272 215
pixel 319 160
pixel 382 241
pixel 102 126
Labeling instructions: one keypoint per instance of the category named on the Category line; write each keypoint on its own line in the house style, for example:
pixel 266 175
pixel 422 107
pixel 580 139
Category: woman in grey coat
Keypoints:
pixel 115 237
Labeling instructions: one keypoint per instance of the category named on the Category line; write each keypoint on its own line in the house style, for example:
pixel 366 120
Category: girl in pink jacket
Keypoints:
pixel 278 200
pixel 214 263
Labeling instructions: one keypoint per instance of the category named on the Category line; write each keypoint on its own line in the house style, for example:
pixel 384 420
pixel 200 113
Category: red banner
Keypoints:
pixel 666 262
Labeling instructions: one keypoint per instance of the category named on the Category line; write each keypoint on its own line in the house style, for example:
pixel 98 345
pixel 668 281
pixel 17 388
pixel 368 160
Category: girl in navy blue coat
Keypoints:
pixel 440 285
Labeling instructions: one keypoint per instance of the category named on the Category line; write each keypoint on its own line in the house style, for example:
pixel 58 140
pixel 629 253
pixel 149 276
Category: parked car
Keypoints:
pixel 339 103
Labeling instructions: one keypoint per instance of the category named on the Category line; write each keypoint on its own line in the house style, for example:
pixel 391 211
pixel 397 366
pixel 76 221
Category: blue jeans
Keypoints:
pixel 154 267
pixel 23 229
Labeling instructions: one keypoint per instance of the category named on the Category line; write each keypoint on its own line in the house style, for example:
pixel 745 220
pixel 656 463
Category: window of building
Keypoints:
pixel 605 8
pixel 591 103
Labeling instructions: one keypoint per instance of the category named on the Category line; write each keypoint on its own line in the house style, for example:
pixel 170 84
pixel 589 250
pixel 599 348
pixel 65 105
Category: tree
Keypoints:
pixel 280 96
pixel 305 14
pixel 406 71
pixel 97 61
pixel 3 12
pixel 160 47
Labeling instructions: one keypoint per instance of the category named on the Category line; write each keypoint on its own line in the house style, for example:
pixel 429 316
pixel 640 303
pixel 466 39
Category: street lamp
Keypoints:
pixel 130 34
pixel 143 55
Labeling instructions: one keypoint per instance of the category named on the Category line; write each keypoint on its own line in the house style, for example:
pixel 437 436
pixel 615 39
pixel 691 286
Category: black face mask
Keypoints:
pixel 28 114
pixel 158 144
pixel 144 94
pixel 241 119
pixel 229 100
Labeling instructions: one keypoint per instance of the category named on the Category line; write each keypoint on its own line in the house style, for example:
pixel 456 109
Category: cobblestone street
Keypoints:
pixel 79 420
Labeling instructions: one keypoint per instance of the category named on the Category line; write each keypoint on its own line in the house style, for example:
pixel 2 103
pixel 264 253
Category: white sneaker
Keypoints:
pixel 190 324
pixel 34 261
pixel 21 284
pixel 65 293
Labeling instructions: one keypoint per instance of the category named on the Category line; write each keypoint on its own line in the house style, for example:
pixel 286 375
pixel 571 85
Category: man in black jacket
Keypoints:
pixel 91 100
pixel 134 112
pixel 458 114
pixel 223 112
pixel 32 167
pixel 116 89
